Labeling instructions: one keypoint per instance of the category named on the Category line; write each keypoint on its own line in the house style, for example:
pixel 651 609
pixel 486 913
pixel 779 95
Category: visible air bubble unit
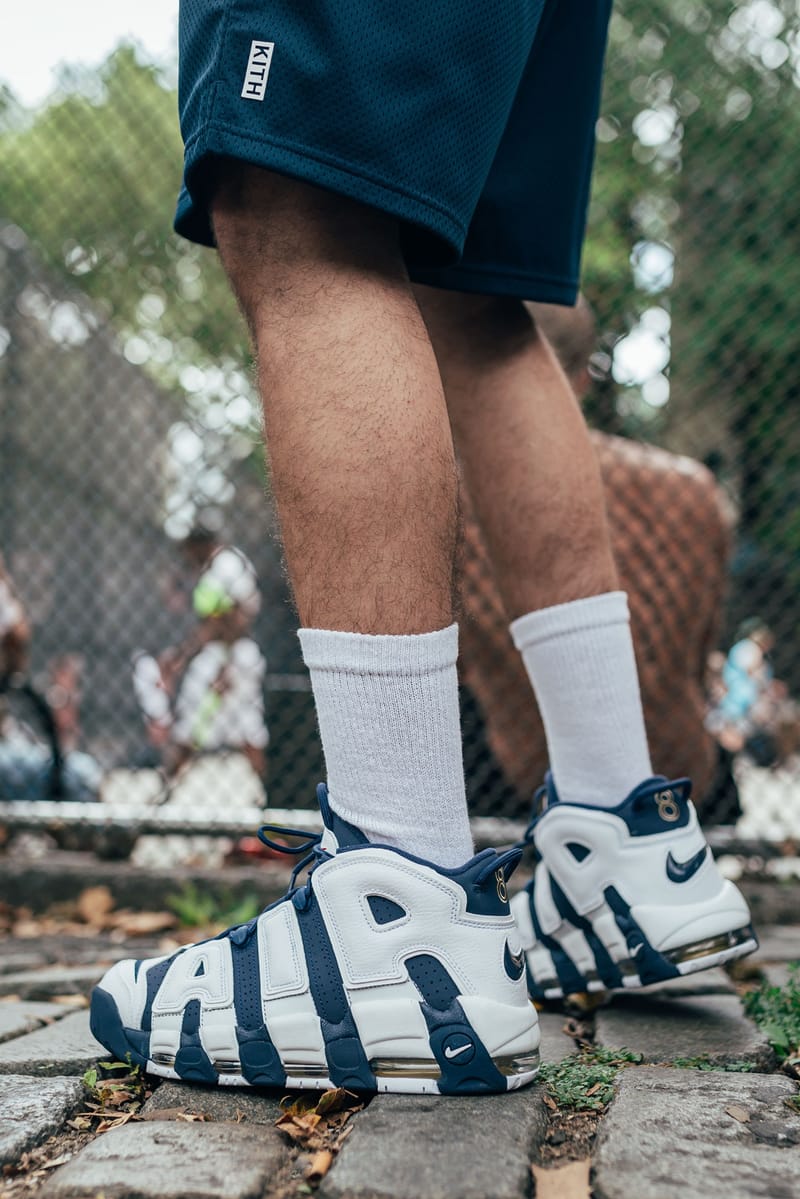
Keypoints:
pixel 163 1059
pixel 523 1063
pixel 712 945
pixel 227 1066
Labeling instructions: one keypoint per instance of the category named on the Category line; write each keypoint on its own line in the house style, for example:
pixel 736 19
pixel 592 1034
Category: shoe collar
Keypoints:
pixel 654 806
pixel 337 833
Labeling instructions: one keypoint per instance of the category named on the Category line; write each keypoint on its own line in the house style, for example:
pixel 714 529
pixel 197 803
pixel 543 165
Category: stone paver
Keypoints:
pixel 32 1109
pixel 426 1147
pixel 13 962
pixel 668 1136
pixel 217 1103
pixel 555 1043
pixel 704 982
pixel 777 973
pixel 709 1026
pixel 54 980
pixel 66 1047
pixel 172 1161
pixel 778 942
pixel 19 1017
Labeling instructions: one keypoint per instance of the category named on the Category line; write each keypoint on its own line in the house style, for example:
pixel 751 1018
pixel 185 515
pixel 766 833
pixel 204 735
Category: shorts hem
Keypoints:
pixel 192 218
pixel 500 281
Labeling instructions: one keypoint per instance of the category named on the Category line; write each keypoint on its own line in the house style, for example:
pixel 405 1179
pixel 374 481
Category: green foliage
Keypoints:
pixel 114 1084
pixel 93 181
pixel 585 1081
pixel 200 909
pixel 776 1010
pixel 92 178
pixel 702 1062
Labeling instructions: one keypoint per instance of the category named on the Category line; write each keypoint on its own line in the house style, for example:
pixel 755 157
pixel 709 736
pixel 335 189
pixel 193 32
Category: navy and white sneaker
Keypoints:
pixel 383 973
pixel 626 896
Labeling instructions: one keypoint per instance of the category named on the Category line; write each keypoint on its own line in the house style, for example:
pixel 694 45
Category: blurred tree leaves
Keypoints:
pixel 697 157
pixel 93 179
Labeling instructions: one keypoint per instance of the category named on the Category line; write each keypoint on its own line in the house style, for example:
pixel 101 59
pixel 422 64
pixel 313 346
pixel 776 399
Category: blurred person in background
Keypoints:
pixel 753 711
pixel 670 532
pixel 15 633
pixel 207 694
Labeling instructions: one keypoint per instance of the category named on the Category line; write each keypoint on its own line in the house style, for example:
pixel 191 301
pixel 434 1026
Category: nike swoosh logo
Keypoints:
pixel 459 1049
pixel 514 964
pixel 681 872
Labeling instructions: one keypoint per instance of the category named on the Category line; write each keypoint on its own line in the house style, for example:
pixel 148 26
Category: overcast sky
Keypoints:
pixel 40 34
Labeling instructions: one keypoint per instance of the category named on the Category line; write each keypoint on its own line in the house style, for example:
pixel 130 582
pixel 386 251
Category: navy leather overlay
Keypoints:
pixel 259 1059
pixel 606 967
pixel 385 911
pixel 464 1063
pixel 191 1061
pixel 347 1062
pixel 155 977
pixel 651 965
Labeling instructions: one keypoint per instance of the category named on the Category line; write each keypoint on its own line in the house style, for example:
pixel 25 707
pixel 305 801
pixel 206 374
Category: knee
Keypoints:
pixel 479 330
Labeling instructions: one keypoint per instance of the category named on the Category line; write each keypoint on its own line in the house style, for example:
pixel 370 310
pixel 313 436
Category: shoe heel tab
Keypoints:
pixel 485 881
pixel 657 805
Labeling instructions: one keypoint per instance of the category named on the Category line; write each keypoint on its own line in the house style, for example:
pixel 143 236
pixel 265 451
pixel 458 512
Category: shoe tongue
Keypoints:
pixel 338 833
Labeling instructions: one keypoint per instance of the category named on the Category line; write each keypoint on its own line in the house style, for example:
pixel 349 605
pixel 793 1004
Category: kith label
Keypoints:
pixel 257 73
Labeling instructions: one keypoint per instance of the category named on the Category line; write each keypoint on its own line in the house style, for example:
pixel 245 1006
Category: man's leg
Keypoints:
pixel 532 475
pixel 364 478
pixel 625 891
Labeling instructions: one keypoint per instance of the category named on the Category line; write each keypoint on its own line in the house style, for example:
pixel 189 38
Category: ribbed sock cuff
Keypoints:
pixel 594 612
pixel 380 654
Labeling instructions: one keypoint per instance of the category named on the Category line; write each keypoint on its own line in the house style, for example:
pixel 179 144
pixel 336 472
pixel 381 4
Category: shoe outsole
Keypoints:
pixel 128 1045
pixel 686 960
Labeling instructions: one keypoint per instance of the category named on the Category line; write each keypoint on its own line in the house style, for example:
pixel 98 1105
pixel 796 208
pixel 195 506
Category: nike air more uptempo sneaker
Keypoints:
pixel 626 896
pixel 383 973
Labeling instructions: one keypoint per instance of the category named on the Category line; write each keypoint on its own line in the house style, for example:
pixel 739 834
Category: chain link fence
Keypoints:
pixel 128 418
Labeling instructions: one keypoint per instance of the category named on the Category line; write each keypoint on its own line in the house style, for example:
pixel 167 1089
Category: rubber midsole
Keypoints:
pixel 508 1066
pixel 723 948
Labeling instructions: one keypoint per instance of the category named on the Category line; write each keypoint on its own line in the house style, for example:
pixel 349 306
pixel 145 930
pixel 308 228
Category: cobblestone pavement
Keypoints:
pixel 671 1129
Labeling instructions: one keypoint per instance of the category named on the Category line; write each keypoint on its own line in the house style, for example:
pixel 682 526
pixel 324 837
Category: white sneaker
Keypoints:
pixel 626 896
pixel 383 973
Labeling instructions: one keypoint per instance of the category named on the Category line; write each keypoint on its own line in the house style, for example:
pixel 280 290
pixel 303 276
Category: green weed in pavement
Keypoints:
pixel 197 909
pixel 585 1081
pixel 776 1011
pixel 703 1062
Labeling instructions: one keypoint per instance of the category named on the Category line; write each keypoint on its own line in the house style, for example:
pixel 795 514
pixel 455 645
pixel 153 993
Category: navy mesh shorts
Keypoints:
pixel 470 121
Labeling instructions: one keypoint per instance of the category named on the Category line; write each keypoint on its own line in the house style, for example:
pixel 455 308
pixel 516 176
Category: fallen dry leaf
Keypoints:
pixel 563 1182
pixel 166 1113
pixel 550 1103
pixel 335 1100
pixel 116 1121
pixel 739 1113
pixel 94 904
pixel 320 1165
pixel 321 1126
pixel 27 930
pixel 139 924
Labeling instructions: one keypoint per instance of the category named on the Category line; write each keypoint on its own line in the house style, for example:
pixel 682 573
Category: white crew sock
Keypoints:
pixel 388 717
pixel 580 660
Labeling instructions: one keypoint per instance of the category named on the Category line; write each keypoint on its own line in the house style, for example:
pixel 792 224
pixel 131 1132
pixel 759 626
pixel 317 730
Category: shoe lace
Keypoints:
pixel 313 852
pixel 539 797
